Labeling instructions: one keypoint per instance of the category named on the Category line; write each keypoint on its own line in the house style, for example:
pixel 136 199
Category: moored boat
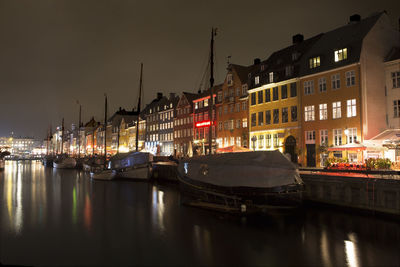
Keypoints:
pixel 241 182
pixel 102 174
pixel 48 161
pixel 133 165
pixel 64 163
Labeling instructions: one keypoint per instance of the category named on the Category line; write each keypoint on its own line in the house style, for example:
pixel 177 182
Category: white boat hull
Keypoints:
pixel 103 175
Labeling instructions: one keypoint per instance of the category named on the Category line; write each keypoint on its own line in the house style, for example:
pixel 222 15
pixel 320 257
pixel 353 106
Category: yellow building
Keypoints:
pixel 274 102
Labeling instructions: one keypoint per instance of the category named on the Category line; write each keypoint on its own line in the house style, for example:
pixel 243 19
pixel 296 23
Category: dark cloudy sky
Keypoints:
pixel 53 53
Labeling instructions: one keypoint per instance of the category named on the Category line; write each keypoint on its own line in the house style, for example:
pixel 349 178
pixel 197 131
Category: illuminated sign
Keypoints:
pixel 203 124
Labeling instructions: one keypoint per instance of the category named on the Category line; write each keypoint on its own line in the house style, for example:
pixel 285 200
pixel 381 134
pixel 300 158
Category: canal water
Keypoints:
pixel 62 217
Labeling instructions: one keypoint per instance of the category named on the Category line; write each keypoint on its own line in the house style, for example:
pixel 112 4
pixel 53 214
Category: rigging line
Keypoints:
pixel 201 75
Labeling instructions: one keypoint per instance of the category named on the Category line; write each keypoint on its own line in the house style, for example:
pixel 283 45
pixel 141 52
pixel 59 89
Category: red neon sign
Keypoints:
pixel 203 124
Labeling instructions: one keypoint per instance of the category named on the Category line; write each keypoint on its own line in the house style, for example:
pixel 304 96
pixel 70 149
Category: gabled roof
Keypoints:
pixel 128 117
pixel 279 60
pixel 91 123
pixel 206 93
pixel 350 36
pixel 241 71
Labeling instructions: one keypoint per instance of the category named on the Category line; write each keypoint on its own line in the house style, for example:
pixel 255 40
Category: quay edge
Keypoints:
pixel 364 192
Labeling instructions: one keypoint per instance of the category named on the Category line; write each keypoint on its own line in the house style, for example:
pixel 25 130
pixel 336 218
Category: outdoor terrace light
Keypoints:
pixel 346 131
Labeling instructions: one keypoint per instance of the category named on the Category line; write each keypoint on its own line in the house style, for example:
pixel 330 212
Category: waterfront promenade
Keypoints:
pixel 61 217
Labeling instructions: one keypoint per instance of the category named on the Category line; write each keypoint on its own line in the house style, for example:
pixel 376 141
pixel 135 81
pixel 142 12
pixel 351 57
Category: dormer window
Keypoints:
pixel 257 80
pixel 170 105
pixel 340 54
pixel 229 79
pixel 271 77
pixel 315 62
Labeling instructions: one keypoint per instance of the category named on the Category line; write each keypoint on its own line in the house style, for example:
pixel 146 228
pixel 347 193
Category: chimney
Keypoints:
pixel 159 95
pixel 355 18
pixel 298 38
pixel 171 96
pixel 257 61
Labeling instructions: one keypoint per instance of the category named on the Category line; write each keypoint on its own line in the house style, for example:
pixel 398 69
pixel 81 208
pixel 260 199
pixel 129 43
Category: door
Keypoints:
pixel 290 146
pixel 310 155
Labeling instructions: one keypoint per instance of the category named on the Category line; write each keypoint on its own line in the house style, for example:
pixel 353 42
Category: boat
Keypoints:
pixel 3 154
pixel 164 169
pixel 64 162
pixel 133 165
pixel 92 163
pixel 258 181
pixel 103 172
pixel 47 160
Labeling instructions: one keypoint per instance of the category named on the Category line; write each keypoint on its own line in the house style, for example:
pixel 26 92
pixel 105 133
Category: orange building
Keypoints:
pixel 232 108
pixel 342 90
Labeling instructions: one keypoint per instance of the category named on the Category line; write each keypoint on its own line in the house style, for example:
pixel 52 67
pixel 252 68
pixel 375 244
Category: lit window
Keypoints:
pixel 323 112
pixel 271 77
pixel 310 137
pixel 315 62
pixel 309 114
pixel 268 139
pixel 276 140
pixel 206 102
pixel 323 134
pixel 244 123
pixel 340 54
pixel 351 135
pixel 257 80
pixel 351 108
pixel 337 137
pixel 336 110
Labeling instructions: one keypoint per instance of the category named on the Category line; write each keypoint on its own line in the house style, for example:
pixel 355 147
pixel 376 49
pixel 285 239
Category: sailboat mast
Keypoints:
pixel 138 108
pixel 105 129
pixel 79 132
pixel 211 104
pixel 62 136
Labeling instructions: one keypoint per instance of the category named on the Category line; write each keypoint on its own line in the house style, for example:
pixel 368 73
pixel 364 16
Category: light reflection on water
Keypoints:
pixel 79 221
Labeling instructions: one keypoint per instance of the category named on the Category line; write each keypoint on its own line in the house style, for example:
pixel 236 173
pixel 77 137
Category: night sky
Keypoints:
pixel 55 53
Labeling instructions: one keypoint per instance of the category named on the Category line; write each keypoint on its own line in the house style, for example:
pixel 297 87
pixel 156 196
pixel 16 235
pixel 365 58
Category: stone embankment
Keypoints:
pixel 377 191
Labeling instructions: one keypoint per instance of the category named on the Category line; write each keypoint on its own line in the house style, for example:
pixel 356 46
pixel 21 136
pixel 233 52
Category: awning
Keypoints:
pixel 348 147
pixel 391 135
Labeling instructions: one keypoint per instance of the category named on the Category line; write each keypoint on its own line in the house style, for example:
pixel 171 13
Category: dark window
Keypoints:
pixel 253 99
pixel 267 117
pixel 285 115
pixel 267 95
pixel 276 116
pixel 260 97
pixel 284 91
pixel 253 119
pixel 293 90
pixel 260 118
pixel 275 94
pixel 293 110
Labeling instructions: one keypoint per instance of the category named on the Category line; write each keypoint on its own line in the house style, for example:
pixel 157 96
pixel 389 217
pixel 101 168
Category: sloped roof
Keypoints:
pixel 278 61
pixel 128 117
pixel 241 71
pixel 349 36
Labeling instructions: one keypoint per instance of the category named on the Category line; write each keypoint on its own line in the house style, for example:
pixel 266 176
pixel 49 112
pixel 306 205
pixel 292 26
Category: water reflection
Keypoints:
pixel 351 250
pixel 79 222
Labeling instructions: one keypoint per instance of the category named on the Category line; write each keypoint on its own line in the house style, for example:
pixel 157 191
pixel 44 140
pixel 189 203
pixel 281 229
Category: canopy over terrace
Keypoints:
pixel 389 137
pixel 354 152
